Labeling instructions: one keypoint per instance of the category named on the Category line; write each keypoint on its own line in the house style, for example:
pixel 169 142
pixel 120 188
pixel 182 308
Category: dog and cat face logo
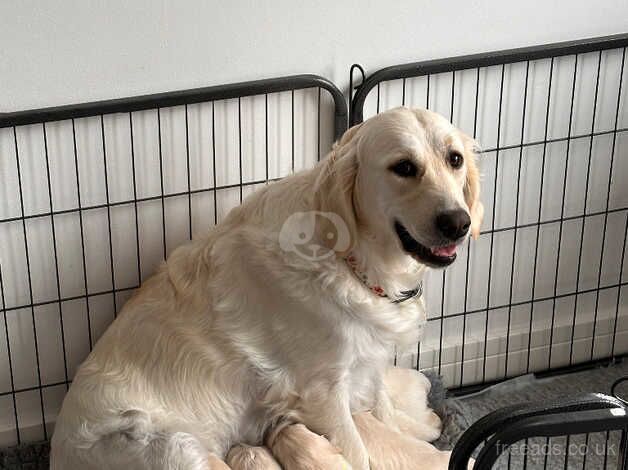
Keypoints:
pixel 298 235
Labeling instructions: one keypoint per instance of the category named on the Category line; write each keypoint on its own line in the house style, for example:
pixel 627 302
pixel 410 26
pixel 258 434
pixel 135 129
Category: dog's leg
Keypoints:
pixel 131 440
pixel 384 409
pixel 298 448
pixel 426 428
pixel 158 451
pixel 404 400
pixel 243 457
pixel 327 413
pixel 408 389
pixel 341 431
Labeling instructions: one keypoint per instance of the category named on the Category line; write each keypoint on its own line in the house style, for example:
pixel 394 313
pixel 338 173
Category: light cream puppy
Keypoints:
pixel 297 448
pixel 408 390
pixel 245 327
pixel 244 457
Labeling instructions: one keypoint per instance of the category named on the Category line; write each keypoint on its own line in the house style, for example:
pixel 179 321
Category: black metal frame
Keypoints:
pixel 474 61
pixel 181 97
pixel 583 414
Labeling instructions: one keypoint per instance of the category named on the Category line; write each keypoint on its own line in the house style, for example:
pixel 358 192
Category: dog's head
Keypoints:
pixel 408 178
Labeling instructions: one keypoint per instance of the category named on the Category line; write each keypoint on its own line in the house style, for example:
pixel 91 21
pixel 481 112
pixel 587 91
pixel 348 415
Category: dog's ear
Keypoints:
pixel 472 187
pixel 334 186
pixel 187 268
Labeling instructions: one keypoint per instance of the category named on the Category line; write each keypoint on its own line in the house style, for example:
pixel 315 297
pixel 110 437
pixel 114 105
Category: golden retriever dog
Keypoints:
pixel 279 323
pixel 296 447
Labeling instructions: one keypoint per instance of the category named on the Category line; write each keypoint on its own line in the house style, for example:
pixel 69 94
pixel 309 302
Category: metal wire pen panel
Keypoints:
pixel 544 286
pixel 94 196
pixel 586 431
pixel 594 450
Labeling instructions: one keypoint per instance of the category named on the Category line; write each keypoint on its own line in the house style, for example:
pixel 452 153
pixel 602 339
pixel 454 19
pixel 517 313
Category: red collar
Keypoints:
pixel 377 289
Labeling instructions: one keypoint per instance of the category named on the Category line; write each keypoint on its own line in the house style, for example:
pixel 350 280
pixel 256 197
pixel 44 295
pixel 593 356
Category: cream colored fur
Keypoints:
pixel 297 448
pixel 244 457
pixel 235 334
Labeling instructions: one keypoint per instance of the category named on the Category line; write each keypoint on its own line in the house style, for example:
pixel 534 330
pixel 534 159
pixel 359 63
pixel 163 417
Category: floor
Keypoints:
pixel 593 453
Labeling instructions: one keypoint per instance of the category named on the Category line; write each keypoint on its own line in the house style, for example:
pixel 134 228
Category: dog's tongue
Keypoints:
pixel 444 251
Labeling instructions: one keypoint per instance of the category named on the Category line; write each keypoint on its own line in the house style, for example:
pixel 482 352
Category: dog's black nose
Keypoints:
pixel 453 224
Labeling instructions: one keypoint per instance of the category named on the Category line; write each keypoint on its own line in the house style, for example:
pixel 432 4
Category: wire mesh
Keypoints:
pixel 94 197
pixel 577 431
pixel 597 450
pixel 544 286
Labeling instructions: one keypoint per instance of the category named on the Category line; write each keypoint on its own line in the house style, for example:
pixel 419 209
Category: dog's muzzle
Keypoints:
pixel 436 257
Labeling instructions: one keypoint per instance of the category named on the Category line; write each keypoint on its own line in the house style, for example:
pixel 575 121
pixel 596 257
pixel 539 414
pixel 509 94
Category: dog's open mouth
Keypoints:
pixel 437 257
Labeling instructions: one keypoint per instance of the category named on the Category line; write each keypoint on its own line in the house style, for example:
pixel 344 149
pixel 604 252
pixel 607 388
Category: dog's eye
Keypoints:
pixel 404 168
pixel 455 159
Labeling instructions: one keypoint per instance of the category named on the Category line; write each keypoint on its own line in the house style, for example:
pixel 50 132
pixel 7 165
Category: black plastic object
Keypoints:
pixel 493 433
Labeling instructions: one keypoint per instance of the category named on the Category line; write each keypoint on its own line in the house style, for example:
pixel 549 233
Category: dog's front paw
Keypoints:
pixel 408 390
pixel 425 426
pixel 430 426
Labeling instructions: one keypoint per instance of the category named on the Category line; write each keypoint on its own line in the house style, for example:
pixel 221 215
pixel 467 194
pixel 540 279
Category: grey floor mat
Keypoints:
pixel 32 456
pixel 459 413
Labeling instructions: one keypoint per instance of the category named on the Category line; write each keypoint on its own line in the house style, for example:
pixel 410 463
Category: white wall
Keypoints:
pixel 58 52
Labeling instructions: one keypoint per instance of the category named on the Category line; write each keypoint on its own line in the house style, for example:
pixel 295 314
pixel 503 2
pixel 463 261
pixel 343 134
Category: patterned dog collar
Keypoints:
pixel 376 289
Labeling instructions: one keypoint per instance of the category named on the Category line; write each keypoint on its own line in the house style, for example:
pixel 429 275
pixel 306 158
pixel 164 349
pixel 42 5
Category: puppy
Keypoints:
pixel 297 448
pixel 244 457
pixel 248 326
